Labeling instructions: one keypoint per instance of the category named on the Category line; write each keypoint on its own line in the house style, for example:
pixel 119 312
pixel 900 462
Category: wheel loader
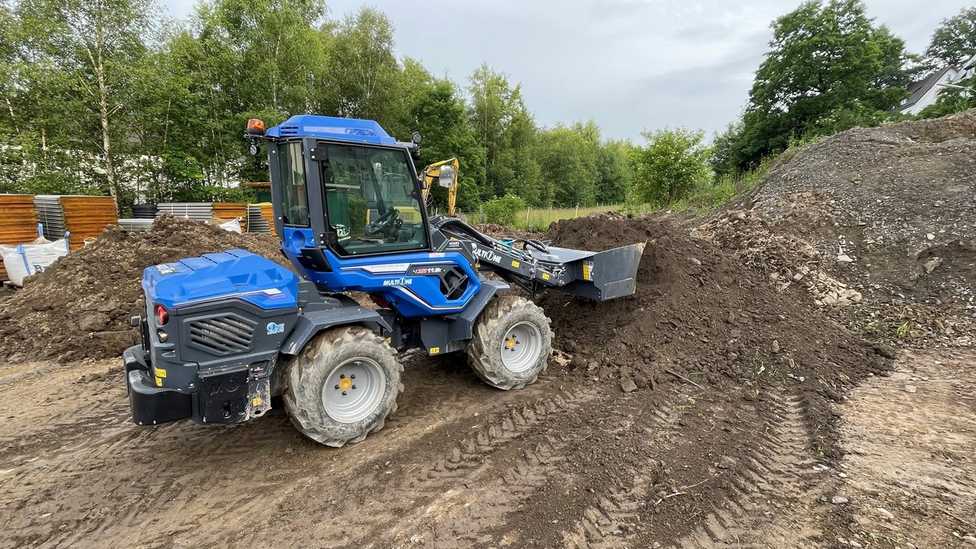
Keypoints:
pixel 225 332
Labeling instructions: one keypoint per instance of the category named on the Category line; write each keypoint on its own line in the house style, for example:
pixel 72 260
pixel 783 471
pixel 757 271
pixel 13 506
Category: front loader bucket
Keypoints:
pixel 602 276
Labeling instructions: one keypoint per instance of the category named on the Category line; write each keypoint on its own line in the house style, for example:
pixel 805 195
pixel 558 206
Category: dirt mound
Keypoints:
pixel 885 214
pixel 699 314
pixel 80 306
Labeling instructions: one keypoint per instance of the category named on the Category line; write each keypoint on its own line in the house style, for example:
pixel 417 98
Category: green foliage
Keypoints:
pixel 671 164
pixel 568 158
pixel 502 210
pixel 953 100
pixel 954 41
pixel 506 131
pixel 829 68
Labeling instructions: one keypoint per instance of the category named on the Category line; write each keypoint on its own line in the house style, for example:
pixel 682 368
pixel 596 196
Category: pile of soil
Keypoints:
pixel 700 314
pixel 887 212
pixel 80 306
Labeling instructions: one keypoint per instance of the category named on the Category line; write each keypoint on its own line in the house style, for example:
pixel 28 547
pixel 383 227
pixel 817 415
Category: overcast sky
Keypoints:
pixel 629 65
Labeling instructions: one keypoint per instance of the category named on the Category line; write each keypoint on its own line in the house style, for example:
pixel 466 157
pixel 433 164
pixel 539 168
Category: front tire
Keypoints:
pixel 342 386
pixel 512 343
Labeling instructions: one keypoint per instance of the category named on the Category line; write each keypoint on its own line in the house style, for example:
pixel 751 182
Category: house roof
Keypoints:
pixel 918 89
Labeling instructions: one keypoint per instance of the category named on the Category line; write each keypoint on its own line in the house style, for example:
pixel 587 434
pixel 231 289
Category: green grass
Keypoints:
pixel 701 200
pixel 539 219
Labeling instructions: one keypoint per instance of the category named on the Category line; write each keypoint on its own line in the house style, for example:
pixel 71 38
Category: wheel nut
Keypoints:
pixel 342 376
pixel 336 386
pixel 352 376
pixel 353 386
pixel 343 393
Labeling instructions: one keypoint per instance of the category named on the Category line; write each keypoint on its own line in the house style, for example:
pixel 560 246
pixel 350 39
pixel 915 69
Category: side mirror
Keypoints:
pixel 416 138
pixel 446 177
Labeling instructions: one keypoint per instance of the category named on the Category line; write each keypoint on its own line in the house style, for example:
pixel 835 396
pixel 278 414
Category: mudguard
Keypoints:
pixel 312 322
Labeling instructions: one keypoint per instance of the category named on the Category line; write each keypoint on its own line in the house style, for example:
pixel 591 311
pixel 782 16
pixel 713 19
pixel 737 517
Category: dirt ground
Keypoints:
pixel 732 401
pixel 564 463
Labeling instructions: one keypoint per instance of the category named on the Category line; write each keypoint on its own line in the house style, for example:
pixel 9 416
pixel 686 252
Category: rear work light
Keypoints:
pixel 162 315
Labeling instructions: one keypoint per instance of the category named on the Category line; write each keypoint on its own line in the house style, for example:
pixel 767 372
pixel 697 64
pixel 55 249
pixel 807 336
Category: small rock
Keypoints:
pixel 775 346
pixel 854 543
pixel 930 236
pixel 911 389
pixel 695 261
pixel 726 462
pixel 797 277
pixel 844 258
pixel 885 513
pixel 93 322
pixel 932 264
pixel 627 385
pixel 839 500
pixel 886 351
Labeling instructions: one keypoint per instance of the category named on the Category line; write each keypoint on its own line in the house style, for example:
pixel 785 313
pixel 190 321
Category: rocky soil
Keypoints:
pixel 878 224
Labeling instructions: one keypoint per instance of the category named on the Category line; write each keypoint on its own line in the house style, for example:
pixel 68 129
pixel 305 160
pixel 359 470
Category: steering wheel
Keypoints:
pixel 387 224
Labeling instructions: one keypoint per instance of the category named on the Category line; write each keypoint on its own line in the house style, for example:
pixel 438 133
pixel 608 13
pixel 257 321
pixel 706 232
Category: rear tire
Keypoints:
pixel 512 343
pixel 342 386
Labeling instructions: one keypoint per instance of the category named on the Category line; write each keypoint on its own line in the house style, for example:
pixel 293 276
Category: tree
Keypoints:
pixel 615 173
pixel 829 68
pixel 506 131
pixel 671 164
pixel 88 48
pixel 954 41
pixel 362 68
pixel 440 115
pixel 568 158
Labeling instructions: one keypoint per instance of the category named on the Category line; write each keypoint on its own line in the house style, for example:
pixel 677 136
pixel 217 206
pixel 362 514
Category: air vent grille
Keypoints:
pixel 222 335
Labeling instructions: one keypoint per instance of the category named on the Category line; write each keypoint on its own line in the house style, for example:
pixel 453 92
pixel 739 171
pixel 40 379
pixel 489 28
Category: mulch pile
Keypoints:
pixel 699 314
pixel 80 306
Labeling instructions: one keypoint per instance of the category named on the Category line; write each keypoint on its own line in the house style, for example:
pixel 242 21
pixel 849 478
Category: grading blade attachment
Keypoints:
pixel 599 276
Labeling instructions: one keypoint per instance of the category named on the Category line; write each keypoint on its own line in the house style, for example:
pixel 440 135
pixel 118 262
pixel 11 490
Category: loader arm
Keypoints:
pixel 598 276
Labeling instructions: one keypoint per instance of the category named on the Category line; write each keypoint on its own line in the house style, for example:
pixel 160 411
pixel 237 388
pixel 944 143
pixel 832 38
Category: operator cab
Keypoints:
pixel 346 185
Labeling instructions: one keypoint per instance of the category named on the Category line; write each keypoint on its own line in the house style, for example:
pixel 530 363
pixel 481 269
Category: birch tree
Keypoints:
pixel 91 46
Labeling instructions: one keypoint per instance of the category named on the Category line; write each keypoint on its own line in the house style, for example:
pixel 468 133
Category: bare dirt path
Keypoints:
pixel 909 472
pixel 569 462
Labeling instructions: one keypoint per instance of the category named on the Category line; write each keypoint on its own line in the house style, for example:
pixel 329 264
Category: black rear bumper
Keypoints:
pixel 151 405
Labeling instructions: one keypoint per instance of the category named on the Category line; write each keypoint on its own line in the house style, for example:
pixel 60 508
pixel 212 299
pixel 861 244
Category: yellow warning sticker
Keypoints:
pixel 587 271
pixel 160 372
pixel 159 381
pixel 515 263
pixel 545 276
pixel 435 350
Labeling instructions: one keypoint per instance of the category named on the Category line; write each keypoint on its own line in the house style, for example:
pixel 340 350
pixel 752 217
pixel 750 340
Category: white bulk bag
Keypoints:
pixel 24 260
pixel 234 225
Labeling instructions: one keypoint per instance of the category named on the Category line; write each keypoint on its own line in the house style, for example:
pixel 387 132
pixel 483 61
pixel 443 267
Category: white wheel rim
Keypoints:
pixel 354 390
pixel 521 347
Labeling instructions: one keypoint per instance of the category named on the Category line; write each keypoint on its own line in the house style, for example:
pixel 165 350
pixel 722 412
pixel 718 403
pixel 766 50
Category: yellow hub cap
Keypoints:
pixel 345 384
pixel 510 342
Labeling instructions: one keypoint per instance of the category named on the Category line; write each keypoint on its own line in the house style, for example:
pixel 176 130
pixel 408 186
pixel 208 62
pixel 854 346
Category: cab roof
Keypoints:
pixel 355 130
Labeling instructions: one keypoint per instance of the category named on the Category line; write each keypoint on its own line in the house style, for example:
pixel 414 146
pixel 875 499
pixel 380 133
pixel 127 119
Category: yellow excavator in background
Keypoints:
pixel 445 173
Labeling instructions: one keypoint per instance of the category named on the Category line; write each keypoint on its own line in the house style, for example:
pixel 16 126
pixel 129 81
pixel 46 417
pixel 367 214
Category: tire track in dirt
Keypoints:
pixel 611 520
pixel 779 465
pixel 499 487
pixel 107 478
pixel 426 484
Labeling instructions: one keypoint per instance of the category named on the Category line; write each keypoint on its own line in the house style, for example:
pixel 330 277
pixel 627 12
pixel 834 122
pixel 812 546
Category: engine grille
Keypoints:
pixel 222 335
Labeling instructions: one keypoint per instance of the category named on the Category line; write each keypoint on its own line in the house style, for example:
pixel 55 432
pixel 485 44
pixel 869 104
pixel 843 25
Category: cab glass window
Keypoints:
pixel 294 199
pixel 372 201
